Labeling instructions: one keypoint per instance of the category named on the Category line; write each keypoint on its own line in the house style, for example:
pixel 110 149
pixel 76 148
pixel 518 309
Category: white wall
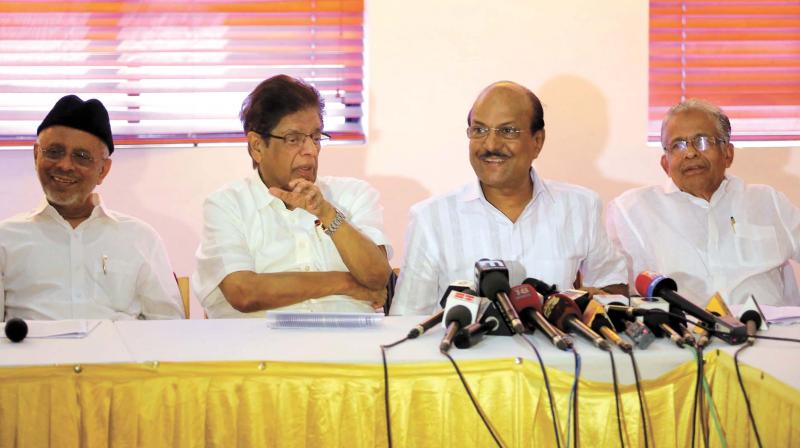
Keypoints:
pixel 427 60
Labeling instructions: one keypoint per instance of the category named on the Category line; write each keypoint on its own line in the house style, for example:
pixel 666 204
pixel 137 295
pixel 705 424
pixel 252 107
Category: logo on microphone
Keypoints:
pixel 549 305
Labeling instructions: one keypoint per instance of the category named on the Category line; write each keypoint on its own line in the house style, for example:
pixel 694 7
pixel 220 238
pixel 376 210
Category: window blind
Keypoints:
pixel 176 71
pixel 742 55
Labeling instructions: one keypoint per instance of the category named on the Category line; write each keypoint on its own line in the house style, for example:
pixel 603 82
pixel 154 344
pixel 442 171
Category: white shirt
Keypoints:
pixel 248 229
pixel 112 266
pixel 559 233
pixel 737 244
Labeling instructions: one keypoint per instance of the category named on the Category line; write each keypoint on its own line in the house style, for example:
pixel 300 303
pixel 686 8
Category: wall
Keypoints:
pixel 426 63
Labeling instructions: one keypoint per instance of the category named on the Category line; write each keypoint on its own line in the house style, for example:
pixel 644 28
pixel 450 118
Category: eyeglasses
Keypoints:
pixel 297 139
pixel 700 142
pixel 79 156
pixel 479 132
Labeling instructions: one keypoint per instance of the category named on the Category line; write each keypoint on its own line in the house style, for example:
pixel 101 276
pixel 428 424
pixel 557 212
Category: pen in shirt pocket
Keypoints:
pixel 733 224
pixel 104 261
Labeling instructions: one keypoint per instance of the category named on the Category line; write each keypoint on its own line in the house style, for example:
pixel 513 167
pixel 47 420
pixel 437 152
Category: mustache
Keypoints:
pixel 497 154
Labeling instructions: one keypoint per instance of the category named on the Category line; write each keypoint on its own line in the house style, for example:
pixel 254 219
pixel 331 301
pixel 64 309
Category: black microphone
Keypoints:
pixel 491 277
pixel 474 333
pixel 638 332
pixel 752 320
pixel 565 314
pixel 725 327
pixel 677 321
pixel 461 310
pixel 527 302
pixel 16 329
pixel 459 286
pixel 594 316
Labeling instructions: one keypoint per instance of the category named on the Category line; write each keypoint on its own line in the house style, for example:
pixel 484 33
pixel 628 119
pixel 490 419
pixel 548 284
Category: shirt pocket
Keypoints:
pixel 116 283
pixel 756 245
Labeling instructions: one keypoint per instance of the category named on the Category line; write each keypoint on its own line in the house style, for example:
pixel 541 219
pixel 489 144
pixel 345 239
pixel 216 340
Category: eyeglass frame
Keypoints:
pixel 80 157
pixel 497 131
pixel 324 136
pixel 711 140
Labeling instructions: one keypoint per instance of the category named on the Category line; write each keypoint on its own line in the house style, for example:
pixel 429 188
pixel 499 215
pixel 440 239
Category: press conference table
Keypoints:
pixel 237 382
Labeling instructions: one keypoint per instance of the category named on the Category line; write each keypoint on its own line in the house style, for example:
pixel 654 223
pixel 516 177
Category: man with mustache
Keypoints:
pixel 706 229
pixel 71 257
pixel 284 238
pixel 548 230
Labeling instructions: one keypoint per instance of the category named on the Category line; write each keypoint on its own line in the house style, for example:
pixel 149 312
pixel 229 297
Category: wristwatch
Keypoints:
pixel 338 220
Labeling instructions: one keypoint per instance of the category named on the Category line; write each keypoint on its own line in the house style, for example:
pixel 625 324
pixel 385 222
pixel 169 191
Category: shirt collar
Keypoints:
pixel 45 209
pixel 261 195
pixel 670 188
pixel 473 191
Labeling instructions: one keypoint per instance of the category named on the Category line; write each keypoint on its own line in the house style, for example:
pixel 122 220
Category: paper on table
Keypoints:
pixel 781 315
pixel 64 329
pixel 289 319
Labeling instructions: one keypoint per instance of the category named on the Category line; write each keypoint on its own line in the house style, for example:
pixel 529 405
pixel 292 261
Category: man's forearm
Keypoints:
pixel 247 291
pixel 366 261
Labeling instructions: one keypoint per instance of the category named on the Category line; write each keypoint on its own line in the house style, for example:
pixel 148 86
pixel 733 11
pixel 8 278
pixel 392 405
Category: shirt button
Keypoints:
pixel 306 268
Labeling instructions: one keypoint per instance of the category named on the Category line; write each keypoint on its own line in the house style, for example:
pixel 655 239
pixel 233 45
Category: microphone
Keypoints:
pixel 527 302
pixel 461 310
pixel 594 316
pixel 725 327
pixel 654 312
pixel 752 321
pixel 16 329
pixel 638 332
pixel 491 276
pixel 565 314
pixel 458 285
pixel 678 324
pixel 753 318
pixel 717 307
pixel 474 333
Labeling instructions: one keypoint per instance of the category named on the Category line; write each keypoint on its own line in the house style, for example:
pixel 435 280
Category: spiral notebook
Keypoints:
pixel 293 319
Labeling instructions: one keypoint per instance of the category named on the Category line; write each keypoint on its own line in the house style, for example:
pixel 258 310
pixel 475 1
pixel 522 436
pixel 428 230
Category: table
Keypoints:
pixel 236 382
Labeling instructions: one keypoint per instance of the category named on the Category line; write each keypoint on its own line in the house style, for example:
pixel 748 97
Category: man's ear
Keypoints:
pixel 104 170
pixel 728 154
pixel 35 152
pixel 538 141
pixel 254 146
pixel 665 163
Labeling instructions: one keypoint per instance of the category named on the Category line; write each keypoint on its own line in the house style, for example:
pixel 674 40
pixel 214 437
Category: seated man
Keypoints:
pixel 283 238
pixel 71 257
pixel 707 230
pixel 548 230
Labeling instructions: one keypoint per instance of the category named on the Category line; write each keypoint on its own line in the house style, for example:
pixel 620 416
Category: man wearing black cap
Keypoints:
pixel 71 257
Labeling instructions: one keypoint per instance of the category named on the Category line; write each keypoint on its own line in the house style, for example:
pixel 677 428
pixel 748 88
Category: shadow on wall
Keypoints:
pixel 576 122
pixel 398 194
pixel 767 166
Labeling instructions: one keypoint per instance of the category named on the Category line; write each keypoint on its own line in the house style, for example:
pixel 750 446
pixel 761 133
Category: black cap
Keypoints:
pixel 88 116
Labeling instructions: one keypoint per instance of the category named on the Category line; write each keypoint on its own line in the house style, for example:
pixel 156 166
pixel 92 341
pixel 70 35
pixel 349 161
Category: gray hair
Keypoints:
pixel 714 112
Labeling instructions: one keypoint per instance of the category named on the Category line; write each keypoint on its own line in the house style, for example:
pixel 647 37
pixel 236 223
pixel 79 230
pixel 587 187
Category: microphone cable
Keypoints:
pixel 712 411
pixel 547 387
pixel 744 393
pixel 386 388
pixel 475 404
pixel 616 398
pixel 642 408
pixel 698 398
pixel 573 400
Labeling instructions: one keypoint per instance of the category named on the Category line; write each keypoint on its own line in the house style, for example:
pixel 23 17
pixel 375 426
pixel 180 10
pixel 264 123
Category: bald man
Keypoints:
pixel 548 230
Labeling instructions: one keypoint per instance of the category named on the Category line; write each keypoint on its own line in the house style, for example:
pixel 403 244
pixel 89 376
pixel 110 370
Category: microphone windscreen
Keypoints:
pixel 543 288
pixel 460 314
pixel 493 283
pixel 16 329
pixel 618 317
pixel 643 281
pixel 751 315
